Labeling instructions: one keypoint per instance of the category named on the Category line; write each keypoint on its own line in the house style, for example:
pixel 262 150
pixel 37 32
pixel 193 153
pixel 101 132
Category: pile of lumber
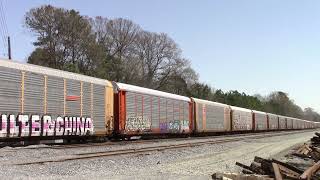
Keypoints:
pixel 267 169
pixel 278 170
pixel 315 141
pixel 307 151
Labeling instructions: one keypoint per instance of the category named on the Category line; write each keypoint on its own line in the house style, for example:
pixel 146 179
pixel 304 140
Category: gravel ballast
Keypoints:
pixel 187 163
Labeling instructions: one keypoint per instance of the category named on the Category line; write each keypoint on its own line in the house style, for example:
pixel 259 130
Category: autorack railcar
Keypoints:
pixel 142 111
pixel 289 123
pixel 283 124
pixel 274 122
pixel 210 117
pixel 260 121
pixel 40 101
pixel 241 119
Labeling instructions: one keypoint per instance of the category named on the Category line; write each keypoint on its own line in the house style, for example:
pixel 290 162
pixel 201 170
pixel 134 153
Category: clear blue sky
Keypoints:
pixel 248 45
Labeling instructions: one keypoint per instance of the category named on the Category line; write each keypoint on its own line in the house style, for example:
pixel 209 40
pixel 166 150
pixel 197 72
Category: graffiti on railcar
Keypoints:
pixel 138 124
pixel 185 125
pixel 174 126
pixel 163 127
pixel 24 125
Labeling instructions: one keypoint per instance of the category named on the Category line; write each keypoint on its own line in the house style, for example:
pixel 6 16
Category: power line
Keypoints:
pixel 3 28
pixel 4 18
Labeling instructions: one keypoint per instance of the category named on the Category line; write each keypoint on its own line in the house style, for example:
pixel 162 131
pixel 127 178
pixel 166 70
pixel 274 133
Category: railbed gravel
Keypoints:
pixel 188 163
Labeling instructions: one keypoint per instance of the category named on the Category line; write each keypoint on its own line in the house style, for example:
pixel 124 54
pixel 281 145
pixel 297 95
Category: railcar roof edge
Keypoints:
pixel 209 102
pixel 132 88
pixel 52 72
pixel 259 112
pixel 240 109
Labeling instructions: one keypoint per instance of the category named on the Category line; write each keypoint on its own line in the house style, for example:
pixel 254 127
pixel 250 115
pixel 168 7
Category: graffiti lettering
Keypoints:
pixel 175 126
pixel 59 127
pixel 24 125
pixel 138 124
pixel 185 126
pixel 163 127
pixel 48 126
pixel 14 126
pixel 3 124
pixel 35 125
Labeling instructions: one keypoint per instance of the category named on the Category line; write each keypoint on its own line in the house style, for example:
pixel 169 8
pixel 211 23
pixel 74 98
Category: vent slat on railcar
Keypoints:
pixel 147 107
pixel 215 118
pixel 34 93
pixel 99 107
pixel 73 89
pixel 86 100
pixel 155 112
pixel 55 96
pixel 10 92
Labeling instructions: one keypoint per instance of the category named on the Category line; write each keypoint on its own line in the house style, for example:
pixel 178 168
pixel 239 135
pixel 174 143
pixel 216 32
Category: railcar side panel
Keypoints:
pixel 289 123
pixel 40 101
pixel 283 123
pixel 241 119
pixel 274 122
pixel 10 90
pixel 260 121
pixel 146 111
pixel 33 93
pixel 211 116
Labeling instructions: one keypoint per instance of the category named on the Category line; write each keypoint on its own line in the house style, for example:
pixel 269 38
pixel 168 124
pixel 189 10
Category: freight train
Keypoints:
pixel 45 103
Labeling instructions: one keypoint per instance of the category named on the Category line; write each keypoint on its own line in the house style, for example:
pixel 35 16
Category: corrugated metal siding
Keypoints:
pixel 200 118
pixel 215 118
pixel 273 122
pixel 176 111
pixel 163 110
pixel 227 119
pixel 282 123
pixel 138 100
pixel 55 96
pixel 260 121
pixel 99 107
pixel 181 110
pixel 73 89
pixel 241 120
pixel 10 90
pixel 86 100
pixel 169 110
pixel 289 123
pixel 186 111
pixel 130 105
pixel 295 124
pixel 155 112
pixel 163 113
pixel 147 104
pixel 33 93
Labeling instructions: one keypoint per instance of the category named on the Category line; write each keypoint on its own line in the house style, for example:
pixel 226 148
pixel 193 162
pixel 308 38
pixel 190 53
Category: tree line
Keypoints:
pixel 120 50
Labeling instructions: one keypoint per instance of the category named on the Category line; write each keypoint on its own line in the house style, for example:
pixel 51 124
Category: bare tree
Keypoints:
pixel 117 37
pixel 159 58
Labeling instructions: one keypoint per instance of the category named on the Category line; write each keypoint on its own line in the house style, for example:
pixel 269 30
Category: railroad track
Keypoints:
pixel 129 151
pixel 142 141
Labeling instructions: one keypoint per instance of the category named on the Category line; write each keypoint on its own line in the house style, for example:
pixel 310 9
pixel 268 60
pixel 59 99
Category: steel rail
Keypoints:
pixel 142 141
pixel 129 151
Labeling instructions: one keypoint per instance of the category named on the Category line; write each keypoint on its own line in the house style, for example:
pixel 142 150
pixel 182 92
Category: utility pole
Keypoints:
pixel 9 47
